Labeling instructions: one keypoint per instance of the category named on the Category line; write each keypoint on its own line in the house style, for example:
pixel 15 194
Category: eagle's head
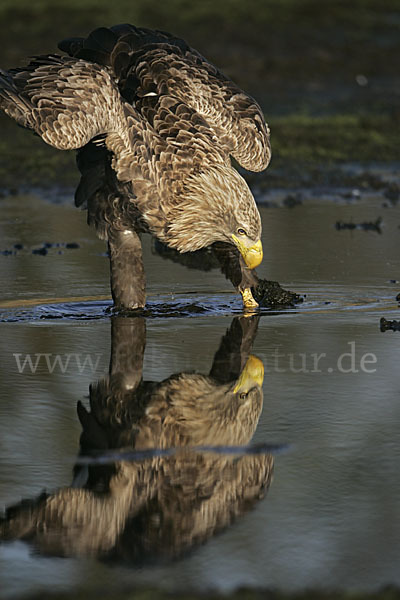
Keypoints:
pixel 216 206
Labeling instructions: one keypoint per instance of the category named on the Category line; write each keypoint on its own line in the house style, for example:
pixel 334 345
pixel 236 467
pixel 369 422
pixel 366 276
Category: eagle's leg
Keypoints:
pixel 235 348
pixel 234 268
pixel 128 342
pixel 128 281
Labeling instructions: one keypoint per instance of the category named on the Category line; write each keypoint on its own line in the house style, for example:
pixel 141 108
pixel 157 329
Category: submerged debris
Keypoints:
pixel 392 192
pixel 386 325
pixel 365 226
pixel 353 194
pixel 292 200
pixel 271 294
pixel 42 251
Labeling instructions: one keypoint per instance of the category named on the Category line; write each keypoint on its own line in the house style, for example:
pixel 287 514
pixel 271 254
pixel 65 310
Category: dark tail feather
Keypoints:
pixel 93 435
pixel 71 46
pixel 102 39
pixel 97 47
pixel 98 187
pixel 105 46
pixel 91 161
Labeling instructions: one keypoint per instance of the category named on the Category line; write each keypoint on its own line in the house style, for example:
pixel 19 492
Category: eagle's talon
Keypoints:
pixel 248 301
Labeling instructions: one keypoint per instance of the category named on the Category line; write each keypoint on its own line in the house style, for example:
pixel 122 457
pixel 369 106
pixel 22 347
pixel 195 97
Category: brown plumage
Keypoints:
pixel 162 505
pixel 155 125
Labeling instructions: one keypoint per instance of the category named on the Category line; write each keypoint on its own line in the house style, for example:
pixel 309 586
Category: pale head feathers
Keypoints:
pixel 215 203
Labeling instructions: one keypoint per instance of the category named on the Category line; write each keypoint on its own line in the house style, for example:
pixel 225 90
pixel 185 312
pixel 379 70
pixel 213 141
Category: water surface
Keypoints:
pixel 325 513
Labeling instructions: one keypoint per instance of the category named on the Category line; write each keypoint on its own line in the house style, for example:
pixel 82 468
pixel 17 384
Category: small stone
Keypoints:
pixel 40 251
pixel 392 193
pixel 292 200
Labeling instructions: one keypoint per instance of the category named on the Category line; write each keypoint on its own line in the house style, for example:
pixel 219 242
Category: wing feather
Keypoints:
pixel 235 117
pixel 69 101
pixel 145 61
pixel 65 101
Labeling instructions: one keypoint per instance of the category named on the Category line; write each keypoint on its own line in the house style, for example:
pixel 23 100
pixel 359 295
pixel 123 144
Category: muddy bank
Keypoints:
pixel 324 76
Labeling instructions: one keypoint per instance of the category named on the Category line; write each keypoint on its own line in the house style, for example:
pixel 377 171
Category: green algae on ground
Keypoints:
pixel 330 138
pixel 27 161
pixel 287 39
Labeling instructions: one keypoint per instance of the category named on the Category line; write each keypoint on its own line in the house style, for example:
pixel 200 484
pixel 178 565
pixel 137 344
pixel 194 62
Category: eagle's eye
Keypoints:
pixel 241 231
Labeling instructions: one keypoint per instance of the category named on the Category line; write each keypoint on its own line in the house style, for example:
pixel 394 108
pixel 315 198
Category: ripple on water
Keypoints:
pixel 322 299
pixel 160 307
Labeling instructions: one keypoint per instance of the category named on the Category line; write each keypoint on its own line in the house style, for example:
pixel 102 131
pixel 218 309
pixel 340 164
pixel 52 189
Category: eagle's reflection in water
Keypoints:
pixel 160 506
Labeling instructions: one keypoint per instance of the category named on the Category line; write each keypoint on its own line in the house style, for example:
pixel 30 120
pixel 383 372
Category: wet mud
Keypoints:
pixel 270 294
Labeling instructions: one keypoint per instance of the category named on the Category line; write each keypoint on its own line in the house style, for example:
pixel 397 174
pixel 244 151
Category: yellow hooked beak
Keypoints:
pixel 252 255
pixel 252 374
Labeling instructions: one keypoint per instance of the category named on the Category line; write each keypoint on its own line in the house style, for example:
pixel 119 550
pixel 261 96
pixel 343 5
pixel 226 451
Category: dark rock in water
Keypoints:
pixel 372 225
pixel 72 245
pixel 40 251
pixel 354 194
pixel 271 294
pixel 6 252
pixel 292 200
pixel 18 246
pixel 392 193
pixel 365 226
pixel 341 225
pixel 386 325
pixel 398 297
